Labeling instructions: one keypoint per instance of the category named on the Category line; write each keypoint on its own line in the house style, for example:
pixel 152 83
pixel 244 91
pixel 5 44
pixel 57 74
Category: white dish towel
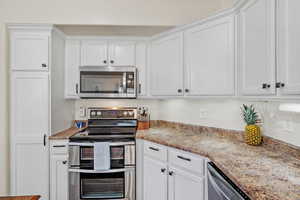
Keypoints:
pixel 101 156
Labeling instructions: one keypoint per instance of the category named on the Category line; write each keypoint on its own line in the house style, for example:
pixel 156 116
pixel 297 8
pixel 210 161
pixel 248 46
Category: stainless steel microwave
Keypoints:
pixel 108 82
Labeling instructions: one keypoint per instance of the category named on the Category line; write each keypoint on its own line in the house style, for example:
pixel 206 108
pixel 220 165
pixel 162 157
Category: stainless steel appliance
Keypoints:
pixel 220 187
pixel 118 127
pixel 107 82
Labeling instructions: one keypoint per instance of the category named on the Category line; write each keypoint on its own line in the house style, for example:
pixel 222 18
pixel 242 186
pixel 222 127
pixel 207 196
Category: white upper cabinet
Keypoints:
pixel 166 66
pixel 141 64
pixel 72 63
pixel 288 47
pixel 257 48
pixel 209 58
pixel 94 52
pixel 29 51
pixel 122 53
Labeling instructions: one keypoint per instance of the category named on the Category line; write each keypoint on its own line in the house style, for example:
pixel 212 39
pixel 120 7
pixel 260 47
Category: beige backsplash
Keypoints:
pixel 220 113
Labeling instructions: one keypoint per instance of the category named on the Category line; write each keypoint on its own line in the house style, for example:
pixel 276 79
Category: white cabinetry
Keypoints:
pixel 171 174
pixel 166 66
pixel 94 52
pixel 257 47
pixel 72 63
pixel 288 47
pixel 141 64
pixel 122 53
pixel 30 50
pixel 29 131
pixel 209 58
pixel 59 170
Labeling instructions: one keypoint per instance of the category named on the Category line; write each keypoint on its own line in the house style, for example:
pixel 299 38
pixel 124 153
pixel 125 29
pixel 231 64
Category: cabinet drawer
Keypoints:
pixel 188 161
pixel 59 147
pixel 155 150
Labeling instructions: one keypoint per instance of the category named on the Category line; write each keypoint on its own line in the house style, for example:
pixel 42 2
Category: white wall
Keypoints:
pixel 105 12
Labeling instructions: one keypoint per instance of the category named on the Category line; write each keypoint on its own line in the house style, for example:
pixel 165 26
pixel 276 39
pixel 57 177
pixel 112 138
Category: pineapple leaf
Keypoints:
pixel 249 114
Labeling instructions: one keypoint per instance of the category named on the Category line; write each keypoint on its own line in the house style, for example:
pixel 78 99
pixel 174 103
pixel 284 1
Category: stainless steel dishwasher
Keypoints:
pixel 220 187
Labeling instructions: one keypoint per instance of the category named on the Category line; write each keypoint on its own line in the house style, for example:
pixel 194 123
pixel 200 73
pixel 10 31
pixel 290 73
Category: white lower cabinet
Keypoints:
pixel 183 185
pixel 179 176
pixel 59 170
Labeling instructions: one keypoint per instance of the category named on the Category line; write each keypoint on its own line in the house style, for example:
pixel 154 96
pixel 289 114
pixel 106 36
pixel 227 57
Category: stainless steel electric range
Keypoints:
pixel 117 126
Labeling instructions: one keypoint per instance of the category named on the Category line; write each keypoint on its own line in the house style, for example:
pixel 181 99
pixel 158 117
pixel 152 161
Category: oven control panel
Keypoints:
pixel 112 113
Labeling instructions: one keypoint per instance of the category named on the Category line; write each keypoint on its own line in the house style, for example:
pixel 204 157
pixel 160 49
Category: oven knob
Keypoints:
pixel 99 113
pixel 131 113
pixel 125 113
pixel 93 113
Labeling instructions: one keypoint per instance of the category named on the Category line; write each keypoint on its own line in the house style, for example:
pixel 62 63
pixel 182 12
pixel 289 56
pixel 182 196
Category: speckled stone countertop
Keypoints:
pixel 267 172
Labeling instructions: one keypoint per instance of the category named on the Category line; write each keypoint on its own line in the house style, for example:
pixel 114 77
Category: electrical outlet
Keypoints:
pixel 82 112
pixel 203 114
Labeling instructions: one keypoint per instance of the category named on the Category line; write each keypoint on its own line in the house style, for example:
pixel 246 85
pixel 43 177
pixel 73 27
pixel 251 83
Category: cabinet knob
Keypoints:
pixel 265 86
pixel 140 88
pixel 76 88
pixel 279 85
pixel 112 62
pixel 104 61
pixel 163 170
pixel 179 90
pixel 171 173
pixel 187 90
pixel 64 162
pixel 44 65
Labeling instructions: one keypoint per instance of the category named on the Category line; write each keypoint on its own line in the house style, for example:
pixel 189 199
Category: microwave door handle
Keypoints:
pixel 124 82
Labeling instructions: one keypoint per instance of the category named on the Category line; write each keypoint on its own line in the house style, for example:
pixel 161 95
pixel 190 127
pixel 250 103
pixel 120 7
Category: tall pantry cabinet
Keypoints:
pixel 31 65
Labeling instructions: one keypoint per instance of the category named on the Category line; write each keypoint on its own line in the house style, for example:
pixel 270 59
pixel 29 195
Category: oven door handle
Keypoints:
pixel 127 169
pixel 92 144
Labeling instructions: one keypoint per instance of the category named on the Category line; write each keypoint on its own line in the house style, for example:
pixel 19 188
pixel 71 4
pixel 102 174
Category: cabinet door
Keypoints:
pixel 167 66
pixel 209 58
pixel 29 52
pixel 122 53
pixel 155 180
pixel 72 68
pixel 59 177
pixel 29 131
pixel 141 64
pixel 289 46
pixel 184 185
pixel 94 52
pixel 257 47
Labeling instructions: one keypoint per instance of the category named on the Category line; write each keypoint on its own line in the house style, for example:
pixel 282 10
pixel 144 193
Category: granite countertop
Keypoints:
pixel 267 172
pixel 67 133
pixel 20 198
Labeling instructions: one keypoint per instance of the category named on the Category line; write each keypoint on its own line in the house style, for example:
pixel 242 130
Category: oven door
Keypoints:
pixel 107 82
pixel 105 185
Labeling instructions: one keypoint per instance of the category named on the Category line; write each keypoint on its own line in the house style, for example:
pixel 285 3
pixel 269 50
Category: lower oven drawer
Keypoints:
pixel 112 184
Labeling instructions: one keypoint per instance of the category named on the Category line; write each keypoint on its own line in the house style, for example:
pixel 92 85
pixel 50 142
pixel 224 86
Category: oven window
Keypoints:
pixel 102 82
pixel 102 186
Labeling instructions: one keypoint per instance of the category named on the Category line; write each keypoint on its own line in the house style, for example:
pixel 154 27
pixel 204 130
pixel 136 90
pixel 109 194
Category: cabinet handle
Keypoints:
pixel 279 85
pixel 187 90
pixel 112 62
pixel 171 173
pixel 183 158
pixel 163 170
pixel 44 65
pixel 153 149
pixel 104 61
pixel 59 146
pixel 76 88
pixel 265 86
pixel 64 162
pixel 140 88
pixel 179 90
pixel 45 137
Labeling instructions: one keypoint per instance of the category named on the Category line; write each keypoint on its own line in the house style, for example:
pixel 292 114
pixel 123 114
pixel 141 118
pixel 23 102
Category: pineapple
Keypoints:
pixel 253 135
